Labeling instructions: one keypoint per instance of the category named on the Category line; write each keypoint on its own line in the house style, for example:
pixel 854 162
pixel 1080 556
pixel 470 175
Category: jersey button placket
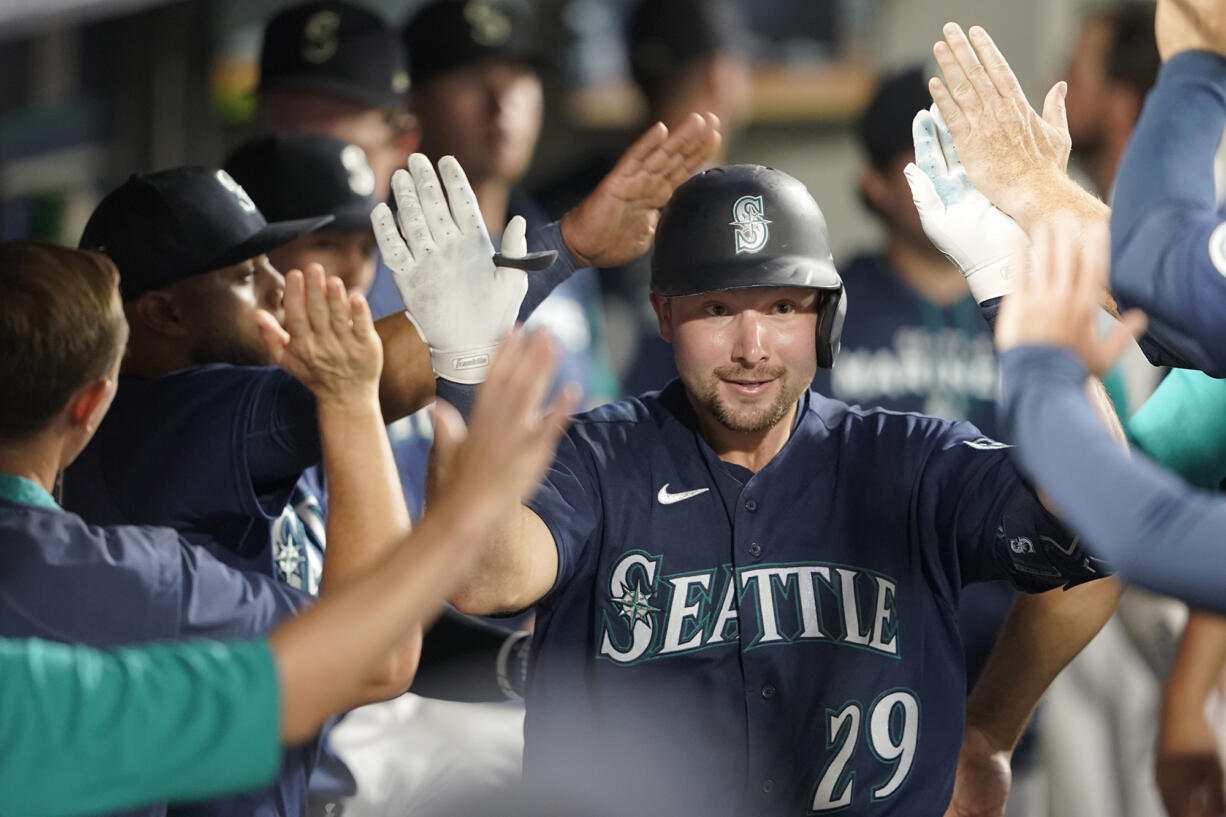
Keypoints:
pixel 751 505
pixel 755 550
pixel 768 786
pixel 768 691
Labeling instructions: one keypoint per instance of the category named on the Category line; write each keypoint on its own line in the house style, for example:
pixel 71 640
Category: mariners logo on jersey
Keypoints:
pixel 652 615
pixel 751 223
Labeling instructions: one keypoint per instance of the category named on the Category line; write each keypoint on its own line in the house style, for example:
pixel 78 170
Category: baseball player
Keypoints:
pixel 745 591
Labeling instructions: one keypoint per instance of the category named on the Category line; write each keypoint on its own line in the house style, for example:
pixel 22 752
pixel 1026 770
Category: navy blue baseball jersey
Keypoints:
pixel 64 580
pixel 905 353
pixel 720 642
pixel 224 455
pixel 219 454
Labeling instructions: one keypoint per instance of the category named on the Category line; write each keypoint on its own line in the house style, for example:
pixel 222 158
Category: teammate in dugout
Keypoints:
pixel 745 591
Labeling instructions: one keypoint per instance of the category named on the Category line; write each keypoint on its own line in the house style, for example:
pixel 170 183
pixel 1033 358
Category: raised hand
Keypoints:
pixel 1013 155
pixel 980 240
pixel 617 222
pixel 1056 302
pixel 328 341
pixel 499 459
pixel 443 261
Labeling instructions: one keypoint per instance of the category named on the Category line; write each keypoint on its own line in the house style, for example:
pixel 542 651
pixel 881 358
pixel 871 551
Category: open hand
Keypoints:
pixel 498 460
pixel 1056 301
pixel 329 340
pixel 617 222
pixel 1012 154
pixel 443 263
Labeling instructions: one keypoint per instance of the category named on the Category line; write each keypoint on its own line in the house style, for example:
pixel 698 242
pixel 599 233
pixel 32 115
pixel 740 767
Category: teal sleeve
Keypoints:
pixel 87 731
pixel 1182 426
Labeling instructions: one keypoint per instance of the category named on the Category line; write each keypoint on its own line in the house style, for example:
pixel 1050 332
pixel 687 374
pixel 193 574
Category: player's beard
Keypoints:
pixel 754 420
pixel 218 347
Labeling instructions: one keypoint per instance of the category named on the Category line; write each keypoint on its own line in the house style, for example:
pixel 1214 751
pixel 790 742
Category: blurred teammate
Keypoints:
pixel 121 584
pixel 219 709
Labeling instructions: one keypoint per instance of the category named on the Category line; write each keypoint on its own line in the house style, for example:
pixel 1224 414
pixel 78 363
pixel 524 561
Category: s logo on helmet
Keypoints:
pixel 751 230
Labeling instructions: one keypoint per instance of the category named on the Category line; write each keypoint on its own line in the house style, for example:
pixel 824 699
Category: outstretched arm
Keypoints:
pixel 1168 238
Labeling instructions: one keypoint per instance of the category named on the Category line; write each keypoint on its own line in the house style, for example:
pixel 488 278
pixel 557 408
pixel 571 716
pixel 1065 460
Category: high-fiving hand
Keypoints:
pixel 1056 301
pixel 328 341
pixel 617 222
pixel 443 261
pixel 1013 155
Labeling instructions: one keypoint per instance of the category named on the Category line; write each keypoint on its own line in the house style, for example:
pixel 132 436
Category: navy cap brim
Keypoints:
pixel 361 94
pixel 352 218
pixel 781 271
pixel 275 234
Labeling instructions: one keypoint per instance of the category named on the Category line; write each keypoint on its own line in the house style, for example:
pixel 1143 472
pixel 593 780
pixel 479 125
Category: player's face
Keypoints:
pixel 745 356
pixel 349 256
pixel 487 115
pixel 217 309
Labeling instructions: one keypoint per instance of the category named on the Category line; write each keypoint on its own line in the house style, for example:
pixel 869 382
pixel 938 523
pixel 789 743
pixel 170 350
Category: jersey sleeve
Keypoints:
pixel 1182 427
pixel 971 497
pixel 212 442
pixel 1156 531
pixel 568 503
pixel 219 601
pixel 87 732
pixel 1168 253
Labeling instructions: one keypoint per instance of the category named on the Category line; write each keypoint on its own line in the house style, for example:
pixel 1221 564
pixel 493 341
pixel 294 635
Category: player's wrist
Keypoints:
pixel 469 366
pixel 993 279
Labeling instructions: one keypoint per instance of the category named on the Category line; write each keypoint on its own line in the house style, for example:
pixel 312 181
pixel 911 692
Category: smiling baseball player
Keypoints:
pixel 746 591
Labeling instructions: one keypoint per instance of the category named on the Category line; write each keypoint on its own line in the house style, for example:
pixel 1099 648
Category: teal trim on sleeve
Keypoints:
pixel 85 731
pixel 19 489
pixel 1182 426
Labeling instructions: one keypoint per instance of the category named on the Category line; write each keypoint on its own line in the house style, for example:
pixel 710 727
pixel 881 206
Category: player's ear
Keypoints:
pixel 159 311
pixel 664 315
pixel 89 402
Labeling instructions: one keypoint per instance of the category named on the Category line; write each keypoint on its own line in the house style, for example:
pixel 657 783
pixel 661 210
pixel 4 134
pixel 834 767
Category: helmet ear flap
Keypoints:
pixel 830 315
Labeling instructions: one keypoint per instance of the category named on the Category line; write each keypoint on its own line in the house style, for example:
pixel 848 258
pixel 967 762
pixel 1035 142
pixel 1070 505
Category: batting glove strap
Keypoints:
pixel 469 366
pixel 993 279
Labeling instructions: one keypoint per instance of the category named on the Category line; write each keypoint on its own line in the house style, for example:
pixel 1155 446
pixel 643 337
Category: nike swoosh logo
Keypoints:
pixel 666 498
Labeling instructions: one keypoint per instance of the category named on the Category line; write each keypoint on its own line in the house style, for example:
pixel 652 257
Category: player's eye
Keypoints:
pixel 717 310
pixel 784 307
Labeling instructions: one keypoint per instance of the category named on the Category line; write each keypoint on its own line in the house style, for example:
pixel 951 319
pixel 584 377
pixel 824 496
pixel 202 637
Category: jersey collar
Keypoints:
pixel 18 489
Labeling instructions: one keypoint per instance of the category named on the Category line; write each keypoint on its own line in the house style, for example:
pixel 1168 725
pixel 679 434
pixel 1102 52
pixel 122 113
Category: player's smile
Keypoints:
pixel 750 388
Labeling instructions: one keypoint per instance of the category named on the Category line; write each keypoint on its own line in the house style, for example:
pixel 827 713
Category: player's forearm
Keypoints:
pixel 1169 158
pixel 1041 634
pixel 503 577
pixel 1197 669
pixel 326 656
pixel 367 516
pixel 407 383
pixel 1040 198
pixel 1148 525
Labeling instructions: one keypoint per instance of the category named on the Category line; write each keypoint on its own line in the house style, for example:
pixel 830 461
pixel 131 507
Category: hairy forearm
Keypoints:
pixel 1041 634
pixel 504 576
pixel 407 383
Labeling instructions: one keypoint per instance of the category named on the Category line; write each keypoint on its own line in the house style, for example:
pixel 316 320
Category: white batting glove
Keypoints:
pixel 980 240
pixel 444 265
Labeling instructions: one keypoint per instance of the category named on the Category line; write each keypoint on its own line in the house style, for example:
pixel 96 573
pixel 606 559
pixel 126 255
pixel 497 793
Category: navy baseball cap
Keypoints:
pixel 162 227
pixel 449 34
pixel 335 48
pixel 884 127
pixel 303 175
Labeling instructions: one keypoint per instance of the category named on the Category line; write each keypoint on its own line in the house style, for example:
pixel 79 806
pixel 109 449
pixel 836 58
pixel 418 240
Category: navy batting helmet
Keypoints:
pixel 749 226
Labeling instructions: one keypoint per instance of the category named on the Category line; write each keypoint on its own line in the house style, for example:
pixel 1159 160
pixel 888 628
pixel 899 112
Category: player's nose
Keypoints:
pixel 749 346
